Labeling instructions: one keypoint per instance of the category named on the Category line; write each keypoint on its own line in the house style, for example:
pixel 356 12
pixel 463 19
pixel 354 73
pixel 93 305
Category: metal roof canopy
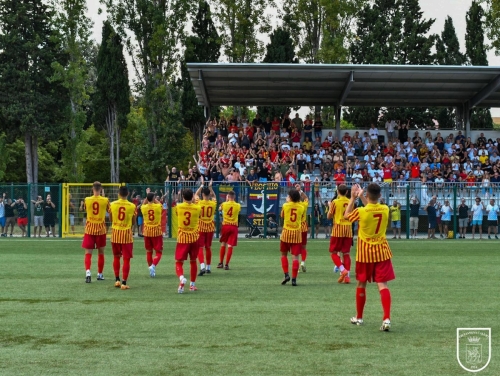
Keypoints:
pixel 464 87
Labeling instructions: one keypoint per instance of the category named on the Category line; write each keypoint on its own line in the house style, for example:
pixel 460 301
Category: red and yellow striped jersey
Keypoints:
pixel 188 217
pixel 151 213
pixel 230 212
pixel 342 228
pixel 96 208
pixel 208 208
pixel 292 213
pixel 303 224
pixel 372 243
pixel 122 216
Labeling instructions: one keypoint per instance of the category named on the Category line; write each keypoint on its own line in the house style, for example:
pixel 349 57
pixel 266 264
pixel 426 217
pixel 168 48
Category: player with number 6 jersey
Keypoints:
pixel 341 239
pixel 188 214
pixel 122 216
pixel 373 255
pixel 151 210
pixel 292 213
pixel 96 207
pixel 206 226
pixel 229 233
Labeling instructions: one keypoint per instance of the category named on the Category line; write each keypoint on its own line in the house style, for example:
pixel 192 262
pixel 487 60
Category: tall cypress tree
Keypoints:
pixel 281 49
pixel 202 47
pixel 476 55
pixel 111 100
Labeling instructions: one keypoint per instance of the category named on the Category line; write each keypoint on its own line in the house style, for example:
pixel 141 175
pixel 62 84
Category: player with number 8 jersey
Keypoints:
pixel 96 207
pixel 292 213
pixel 206 226
pixel 151 210
pixel 122 216
pixel 229 233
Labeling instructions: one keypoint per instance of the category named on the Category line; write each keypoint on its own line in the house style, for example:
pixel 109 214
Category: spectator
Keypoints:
pixel 22 214
pixel 2 214
pixel 49 216
pixel 373 132
pixel 446 211
pixel 463 218
pixel 414 217
pixel 492 211
pixel 432 219
pixel 477 217
pixel 395 211
pixel 38 215
pixel 318 128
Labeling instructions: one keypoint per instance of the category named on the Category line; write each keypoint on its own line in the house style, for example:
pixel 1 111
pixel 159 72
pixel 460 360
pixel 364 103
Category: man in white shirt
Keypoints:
pixel 492 210
pixel 284 135
pixel 232 137
pixel 373 132
pixel 477 217
pixel 357 177
pixel 389 127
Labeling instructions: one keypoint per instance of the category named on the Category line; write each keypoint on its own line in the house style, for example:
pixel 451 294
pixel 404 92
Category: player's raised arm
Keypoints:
pixel 331 210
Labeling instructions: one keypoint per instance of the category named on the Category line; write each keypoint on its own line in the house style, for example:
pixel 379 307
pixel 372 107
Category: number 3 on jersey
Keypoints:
pixel 187 221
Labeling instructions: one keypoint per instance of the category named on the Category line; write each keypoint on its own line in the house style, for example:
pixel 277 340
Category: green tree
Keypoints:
pixel 492 24
pixel 31 104
pixel 476 55
pixel 203 46
pixel 112 98
pixel 76 30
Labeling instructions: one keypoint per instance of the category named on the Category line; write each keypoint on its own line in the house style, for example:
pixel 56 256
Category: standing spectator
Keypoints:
pixel 492 211
pixel 267 126
pixel 38 215
pixel 432 218
pixel 318 128
pixel 22 214
pixel 389 127
pixel 317 218
pixel 2 215
pixel 463 218
pixel 403 131
pixel 49 216
pixel 446 211
pixel 414 212
pixel 373 132
pixel 10 219
pixel 477 217
pixel 395 211
pixel 308 129
pixel 72 212
pixel 297 121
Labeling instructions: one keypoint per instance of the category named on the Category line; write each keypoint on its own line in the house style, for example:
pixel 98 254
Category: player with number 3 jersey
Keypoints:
pixel 229 233
pixel 96 207
pixel 373 255
pixel 151 210
pixel 122 216
pixel 291 236
pixel 206 226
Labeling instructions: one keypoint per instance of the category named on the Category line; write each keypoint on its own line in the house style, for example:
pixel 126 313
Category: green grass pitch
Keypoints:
pixel 242 321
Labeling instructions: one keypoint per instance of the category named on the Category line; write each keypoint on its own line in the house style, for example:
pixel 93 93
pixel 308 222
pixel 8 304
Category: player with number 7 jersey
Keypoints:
pixel 94 236
pixel 151 210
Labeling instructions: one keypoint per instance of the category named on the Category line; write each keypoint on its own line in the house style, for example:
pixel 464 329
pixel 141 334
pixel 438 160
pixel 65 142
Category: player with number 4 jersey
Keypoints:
pixel 188 217
pixel 292 213
pixel 373 255
pixel 206 226
pixel 122 216
pixel 96 207
pixel 151 210
pixel 341 239
pixel 229 233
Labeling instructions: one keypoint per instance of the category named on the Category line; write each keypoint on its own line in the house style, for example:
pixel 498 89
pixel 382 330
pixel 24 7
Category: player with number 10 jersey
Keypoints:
pixel 153 236
pixel 206 226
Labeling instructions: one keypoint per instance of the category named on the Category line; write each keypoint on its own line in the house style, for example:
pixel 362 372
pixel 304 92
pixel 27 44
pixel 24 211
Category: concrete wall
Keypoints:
pixel 493 134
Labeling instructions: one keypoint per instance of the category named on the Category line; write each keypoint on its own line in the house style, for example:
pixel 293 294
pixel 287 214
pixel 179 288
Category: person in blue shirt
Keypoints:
pixel 492 210
pixel 446 211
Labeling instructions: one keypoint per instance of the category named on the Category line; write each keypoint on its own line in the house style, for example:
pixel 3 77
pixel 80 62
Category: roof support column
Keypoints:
pixel 459 117
pixel 466 118
pixel 338 112
pixel 207 112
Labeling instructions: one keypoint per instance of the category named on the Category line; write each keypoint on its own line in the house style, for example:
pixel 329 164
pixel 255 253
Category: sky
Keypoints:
pixel 438 9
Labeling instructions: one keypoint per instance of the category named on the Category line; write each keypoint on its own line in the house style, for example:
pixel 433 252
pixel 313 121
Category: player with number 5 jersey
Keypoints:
pixel 292 213
pixel 208 205
pixel 188 217
pixel 151 210
pixel 122 216
pixel 229 233
pixel 373 255
pixel 94 237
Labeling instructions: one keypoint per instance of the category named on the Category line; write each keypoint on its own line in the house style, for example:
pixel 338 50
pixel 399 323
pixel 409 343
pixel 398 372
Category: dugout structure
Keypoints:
pixel 73 215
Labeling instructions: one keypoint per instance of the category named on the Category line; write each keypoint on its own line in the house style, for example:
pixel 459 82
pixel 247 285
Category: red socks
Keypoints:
pixel 88 261
pixel 201 257
pixel 385 297
pixel 157 258
pixel 295 268
pixel 347 261
pixel 284 264
pixel 209 255
pixel 360 301
pixel 229 254
pixel 222 253
pixel 336 259
pixel 303 254
pixel 194 270
pixel 149 257
pixel 100 263
pixel 126 268
pixel 179 270
pixel 116 266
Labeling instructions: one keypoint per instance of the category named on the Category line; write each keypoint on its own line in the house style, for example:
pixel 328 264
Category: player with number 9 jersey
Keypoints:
pixel 153 240
pixel 229 232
